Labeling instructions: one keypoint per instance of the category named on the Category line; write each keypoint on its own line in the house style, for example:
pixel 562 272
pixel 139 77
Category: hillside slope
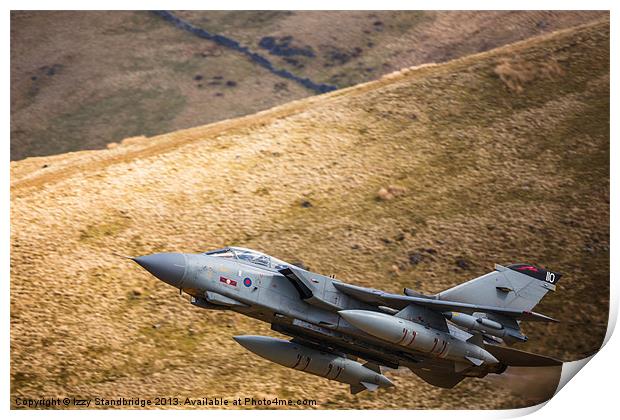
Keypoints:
pixel 497 157
pixel 83 79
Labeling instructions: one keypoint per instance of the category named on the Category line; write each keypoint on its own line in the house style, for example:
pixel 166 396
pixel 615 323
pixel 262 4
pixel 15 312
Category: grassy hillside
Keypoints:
pixel 81 80
pixel 423 179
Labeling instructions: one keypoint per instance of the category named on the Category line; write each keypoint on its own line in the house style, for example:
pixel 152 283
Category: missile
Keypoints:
pixel 316 362
pixel 405 333
pixel 484 325
pixel 473 322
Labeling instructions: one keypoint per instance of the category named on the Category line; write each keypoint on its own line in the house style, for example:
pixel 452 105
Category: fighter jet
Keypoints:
pixel 350 334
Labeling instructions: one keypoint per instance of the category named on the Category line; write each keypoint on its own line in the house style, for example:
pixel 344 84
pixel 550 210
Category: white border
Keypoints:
pixel 593 394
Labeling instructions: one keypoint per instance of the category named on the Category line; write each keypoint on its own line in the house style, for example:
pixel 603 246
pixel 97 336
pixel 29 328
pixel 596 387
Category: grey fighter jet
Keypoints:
pixel 465 331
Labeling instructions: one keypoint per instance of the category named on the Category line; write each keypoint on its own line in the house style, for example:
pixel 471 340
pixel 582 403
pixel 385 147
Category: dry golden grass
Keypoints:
pixel 487 175
pixel 516 74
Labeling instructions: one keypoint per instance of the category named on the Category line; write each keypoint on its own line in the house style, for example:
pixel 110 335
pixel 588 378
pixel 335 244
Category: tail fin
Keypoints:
pixel 518 286
pixel 363 386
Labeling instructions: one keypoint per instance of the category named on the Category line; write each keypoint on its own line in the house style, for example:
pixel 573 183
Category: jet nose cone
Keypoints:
pixel 168 267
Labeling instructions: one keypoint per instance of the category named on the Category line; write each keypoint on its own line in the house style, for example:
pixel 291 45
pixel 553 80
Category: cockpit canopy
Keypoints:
pixel 249 255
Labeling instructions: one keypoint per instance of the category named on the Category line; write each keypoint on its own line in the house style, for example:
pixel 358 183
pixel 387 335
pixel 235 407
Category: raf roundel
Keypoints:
pixel 247 282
